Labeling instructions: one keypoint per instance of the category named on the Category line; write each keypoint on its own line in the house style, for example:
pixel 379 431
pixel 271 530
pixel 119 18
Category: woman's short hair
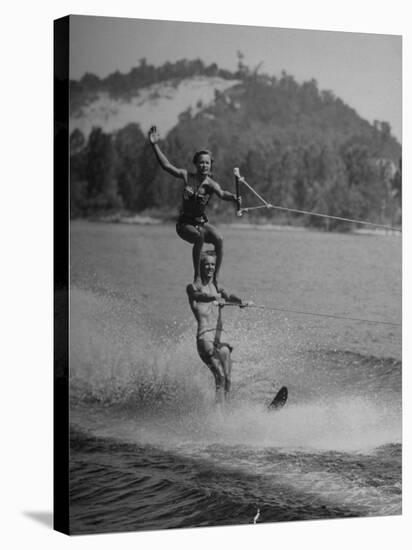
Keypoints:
pixel 202 152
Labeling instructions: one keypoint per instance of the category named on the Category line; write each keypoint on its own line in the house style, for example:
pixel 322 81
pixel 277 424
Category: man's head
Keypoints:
pixel 207 264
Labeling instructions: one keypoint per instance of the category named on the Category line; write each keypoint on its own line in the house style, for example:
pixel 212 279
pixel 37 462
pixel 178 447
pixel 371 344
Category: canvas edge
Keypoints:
pixel 61 510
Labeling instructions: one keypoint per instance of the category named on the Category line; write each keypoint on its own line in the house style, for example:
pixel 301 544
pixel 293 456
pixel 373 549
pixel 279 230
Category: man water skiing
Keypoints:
pixel 207 303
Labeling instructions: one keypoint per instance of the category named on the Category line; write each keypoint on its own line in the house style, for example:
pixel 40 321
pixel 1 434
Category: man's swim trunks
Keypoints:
pixel 210 348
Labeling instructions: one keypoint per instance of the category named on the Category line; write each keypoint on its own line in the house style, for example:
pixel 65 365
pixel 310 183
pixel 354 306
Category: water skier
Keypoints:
pixel 207 303
pixel 193 225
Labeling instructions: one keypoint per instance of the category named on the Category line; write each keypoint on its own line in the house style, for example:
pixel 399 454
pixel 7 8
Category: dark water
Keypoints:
pixel 149 450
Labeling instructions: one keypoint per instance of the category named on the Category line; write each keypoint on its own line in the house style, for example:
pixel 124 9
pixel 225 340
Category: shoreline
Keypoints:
pixel 138 219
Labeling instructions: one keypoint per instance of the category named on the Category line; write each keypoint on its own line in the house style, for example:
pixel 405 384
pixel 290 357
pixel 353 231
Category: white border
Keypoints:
pixel 26 268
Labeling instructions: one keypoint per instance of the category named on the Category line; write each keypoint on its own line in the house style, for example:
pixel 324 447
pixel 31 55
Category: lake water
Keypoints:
pixel 148 448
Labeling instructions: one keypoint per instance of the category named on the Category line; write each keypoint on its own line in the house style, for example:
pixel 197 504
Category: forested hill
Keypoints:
pixel 301 147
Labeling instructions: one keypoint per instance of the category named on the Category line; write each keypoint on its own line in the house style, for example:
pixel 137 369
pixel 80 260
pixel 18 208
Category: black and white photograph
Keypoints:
pixel 234 274
pixel 205 275
pixel 205 270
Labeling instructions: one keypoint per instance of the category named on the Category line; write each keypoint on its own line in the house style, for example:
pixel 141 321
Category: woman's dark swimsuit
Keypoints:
pixel 194 204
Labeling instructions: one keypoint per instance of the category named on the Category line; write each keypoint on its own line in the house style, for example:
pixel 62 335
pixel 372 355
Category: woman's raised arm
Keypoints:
pixel 161 157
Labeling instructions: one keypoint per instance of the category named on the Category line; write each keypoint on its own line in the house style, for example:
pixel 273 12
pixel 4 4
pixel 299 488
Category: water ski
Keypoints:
pixel 279 400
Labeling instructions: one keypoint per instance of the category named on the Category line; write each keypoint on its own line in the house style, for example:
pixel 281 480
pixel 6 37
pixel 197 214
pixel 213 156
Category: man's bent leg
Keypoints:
pixel 211 359
pixel 226 362
pixel 216 369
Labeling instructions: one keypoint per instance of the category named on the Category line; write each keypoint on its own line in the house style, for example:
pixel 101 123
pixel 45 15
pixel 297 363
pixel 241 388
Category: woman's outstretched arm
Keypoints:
pixel 161 157
pixel 225 195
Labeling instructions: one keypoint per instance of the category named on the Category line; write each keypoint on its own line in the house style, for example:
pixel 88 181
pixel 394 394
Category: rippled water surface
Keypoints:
pixel 148 448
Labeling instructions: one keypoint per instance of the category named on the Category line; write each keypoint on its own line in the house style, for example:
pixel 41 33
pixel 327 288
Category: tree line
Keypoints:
pixel 300 147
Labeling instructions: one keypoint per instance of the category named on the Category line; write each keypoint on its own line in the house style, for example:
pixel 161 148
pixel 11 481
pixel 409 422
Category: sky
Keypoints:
pixel 364 70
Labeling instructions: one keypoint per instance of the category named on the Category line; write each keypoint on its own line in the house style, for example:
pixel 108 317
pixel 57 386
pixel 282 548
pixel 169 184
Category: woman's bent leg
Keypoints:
pixel 196 252
pixel 195 236
pixel 213 237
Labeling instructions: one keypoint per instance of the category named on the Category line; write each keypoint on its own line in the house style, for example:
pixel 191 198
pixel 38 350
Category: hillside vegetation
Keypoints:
pixel 300 147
